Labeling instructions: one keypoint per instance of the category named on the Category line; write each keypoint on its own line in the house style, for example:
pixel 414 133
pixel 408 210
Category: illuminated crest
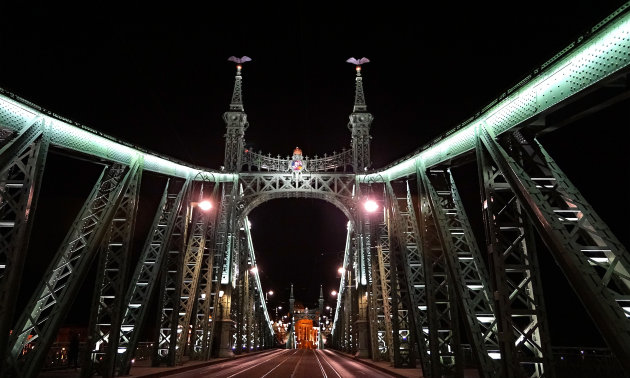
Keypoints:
pixel 297 165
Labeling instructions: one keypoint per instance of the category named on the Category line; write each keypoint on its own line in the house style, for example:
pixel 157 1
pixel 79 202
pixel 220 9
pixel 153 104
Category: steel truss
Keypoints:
pixel 408 313
pixel 22 161
pixel 110 285
pixel 518 298
pixel 380 308
pixel 593 260
pixel 465 265
pixel 146 276
pixel 38 324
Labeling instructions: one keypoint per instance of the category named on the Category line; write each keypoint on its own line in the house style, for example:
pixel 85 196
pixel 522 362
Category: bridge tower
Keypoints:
pixel 236 122
pixel 360 122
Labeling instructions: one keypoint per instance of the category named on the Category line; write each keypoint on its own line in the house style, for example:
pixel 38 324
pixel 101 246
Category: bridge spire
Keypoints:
pixel 291 301
pixel 236 121
pixel 321 299
pixel 360 121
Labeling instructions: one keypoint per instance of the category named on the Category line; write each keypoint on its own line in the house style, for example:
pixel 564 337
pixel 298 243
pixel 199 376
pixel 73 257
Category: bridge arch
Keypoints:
pixel 347 205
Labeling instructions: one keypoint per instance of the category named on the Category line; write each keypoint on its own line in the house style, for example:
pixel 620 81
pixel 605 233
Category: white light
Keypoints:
pixel 495 355
pixel 254 270
pixel 370 206
pixel 205 205
pixel 203 295
pixel 341 270
pixel 333 292
pixel 485 319
pixel 221 292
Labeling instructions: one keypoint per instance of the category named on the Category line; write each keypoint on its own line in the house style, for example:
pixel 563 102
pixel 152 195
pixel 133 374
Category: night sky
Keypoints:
pixel 159 78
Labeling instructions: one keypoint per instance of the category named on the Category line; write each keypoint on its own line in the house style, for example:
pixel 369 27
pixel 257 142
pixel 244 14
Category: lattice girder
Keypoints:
pixel 465 264
pixel 145 277
pixel 189 279
pixel 204 314
pixel 22 162
pixel 591 257
pixel 440 325
pixel 407 328
pixel 519 304
pixel 51 301
pixel 336 188
pixel 111 281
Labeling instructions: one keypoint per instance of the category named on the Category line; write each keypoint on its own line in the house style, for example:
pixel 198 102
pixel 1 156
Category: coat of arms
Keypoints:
pixel 297 165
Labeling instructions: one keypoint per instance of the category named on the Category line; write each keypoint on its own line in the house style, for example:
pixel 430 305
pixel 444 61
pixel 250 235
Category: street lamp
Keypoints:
pixel 333 293
pixel 270 292
pixel 370 206
pixel 204 205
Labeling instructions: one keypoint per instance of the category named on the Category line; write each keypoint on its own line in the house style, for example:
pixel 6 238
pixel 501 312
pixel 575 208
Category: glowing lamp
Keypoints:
pixel 370 206
pixel 254 270
pixel 205 205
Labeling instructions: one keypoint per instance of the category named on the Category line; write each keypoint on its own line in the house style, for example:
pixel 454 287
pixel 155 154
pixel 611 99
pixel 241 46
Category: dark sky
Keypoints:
pixel 159 78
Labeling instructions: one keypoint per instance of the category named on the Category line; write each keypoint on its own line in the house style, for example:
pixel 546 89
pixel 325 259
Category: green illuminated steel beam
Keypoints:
pixel 17 114
pixel 585 63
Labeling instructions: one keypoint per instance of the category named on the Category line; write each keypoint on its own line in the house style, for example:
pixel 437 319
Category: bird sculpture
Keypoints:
pixel 358 62
pixel 240 60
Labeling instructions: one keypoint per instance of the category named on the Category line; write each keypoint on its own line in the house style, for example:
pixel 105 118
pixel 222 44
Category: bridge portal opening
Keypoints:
pixel 299 242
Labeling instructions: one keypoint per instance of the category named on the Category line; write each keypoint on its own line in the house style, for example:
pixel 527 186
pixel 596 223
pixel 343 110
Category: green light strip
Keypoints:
pixel 16 114
pixel 587 62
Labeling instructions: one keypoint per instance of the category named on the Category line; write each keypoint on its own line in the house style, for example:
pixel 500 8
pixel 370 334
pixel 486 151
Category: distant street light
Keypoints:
pixel 341 270
pixel 333 293
pixel 254 270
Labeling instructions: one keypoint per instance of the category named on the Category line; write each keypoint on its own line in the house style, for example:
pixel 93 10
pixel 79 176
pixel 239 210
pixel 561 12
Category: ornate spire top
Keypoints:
pixel 321 291
pixel 237 96
pixel 359 96
pixel 291 291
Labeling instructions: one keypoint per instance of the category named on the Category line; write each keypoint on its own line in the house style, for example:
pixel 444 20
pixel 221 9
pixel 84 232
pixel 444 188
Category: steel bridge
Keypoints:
pixel 412 270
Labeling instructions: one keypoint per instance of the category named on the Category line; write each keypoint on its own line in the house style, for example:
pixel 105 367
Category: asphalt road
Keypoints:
pixel 285 363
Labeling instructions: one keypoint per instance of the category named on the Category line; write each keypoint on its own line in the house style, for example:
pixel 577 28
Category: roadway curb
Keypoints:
pixel 368 363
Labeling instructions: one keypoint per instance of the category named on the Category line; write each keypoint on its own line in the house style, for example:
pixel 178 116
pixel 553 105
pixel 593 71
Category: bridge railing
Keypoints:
pixel 337 162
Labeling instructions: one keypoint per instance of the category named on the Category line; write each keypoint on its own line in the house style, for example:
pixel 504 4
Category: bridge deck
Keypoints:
pixel 143 369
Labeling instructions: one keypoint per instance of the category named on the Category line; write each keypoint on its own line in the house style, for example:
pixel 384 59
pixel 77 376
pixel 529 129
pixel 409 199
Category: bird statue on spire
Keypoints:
pixel 240 60
pixel 358 62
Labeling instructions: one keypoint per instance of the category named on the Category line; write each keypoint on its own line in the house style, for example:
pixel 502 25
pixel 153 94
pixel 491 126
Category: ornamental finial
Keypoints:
pixel 358 63
pixel 239 61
